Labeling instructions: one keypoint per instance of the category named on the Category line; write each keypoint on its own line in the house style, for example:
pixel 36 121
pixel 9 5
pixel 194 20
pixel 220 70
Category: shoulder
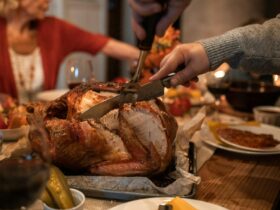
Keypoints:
pixel 2 22
pixel 50 21
pixel 54 24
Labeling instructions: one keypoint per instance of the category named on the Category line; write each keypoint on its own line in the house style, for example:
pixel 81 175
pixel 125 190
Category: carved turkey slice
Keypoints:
pixel 135 139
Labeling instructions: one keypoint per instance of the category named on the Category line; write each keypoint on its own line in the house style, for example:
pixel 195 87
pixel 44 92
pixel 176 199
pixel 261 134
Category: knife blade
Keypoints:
pixel 143 93
pixel 146 92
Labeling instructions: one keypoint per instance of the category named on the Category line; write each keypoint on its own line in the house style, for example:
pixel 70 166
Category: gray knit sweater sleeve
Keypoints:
pixel 254 48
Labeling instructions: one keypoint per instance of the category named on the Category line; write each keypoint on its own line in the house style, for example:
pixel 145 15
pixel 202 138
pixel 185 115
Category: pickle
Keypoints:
pixel 47 199
pixel 59 190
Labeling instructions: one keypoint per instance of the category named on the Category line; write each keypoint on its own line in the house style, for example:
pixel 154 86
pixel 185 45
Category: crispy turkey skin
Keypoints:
pixel 135 139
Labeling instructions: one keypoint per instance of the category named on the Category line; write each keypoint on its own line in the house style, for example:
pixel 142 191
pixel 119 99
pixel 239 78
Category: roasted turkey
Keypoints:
pixel 135 139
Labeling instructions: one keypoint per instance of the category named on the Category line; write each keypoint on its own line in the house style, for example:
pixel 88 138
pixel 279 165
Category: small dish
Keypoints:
pixel 79 200
pixel 267 114
pixel 14 133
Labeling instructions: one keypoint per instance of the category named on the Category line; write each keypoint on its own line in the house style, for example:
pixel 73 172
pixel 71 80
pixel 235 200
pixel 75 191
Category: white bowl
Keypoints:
pixel 79 200
pixel 267 114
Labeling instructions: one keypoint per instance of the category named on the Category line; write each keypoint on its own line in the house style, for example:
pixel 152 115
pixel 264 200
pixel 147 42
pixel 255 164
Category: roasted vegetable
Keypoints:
pixel 47 199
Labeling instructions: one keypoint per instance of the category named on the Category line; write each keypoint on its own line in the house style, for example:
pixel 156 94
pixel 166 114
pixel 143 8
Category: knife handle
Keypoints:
pixel 166 81
pixel 149 23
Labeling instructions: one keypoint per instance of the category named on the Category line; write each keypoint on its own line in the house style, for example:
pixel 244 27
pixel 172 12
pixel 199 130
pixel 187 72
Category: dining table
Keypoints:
pixel 232 180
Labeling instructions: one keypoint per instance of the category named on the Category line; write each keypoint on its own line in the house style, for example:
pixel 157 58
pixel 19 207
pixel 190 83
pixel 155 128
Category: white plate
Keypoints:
pixel 13 134
pixel 208 137
pixel 257 130
pixel 50 95
pixel 153 203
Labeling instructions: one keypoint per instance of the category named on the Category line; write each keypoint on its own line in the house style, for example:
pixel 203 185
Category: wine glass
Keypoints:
pixel 24 175
pixel 217 85
pixel 78 71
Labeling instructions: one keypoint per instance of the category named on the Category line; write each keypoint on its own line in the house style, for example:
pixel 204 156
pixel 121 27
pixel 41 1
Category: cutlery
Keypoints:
pixel 132 94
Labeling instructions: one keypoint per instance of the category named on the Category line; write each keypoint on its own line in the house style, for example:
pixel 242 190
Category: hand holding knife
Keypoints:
pixel 141 93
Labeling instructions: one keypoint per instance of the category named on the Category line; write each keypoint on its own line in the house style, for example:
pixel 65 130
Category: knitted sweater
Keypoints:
pixel 253 48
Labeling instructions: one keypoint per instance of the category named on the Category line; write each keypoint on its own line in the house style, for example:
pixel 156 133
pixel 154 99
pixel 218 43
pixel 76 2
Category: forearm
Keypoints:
pixel 254 48
pixel 120 50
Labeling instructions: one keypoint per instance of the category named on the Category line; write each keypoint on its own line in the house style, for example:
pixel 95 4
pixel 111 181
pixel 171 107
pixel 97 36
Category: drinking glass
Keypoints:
pixel 24 175
pixel 78 71
pixel 217 86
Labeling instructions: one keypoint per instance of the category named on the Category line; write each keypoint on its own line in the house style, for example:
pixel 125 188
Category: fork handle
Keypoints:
pixel 149 23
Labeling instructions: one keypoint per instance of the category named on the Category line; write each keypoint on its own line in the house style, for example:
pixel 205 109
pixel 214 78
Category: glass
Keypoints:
pixel 217 85
pixel 24 175
pixel 78 71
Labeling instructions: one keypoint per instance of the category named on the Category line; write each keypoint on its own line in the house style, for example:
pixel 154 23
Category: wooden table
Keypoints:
pixel 240 181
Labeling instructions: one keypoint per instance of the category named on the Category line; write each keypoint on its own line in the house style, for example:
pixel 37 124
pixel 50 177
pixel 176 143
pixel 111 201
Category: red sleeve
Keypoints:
pixel 73 38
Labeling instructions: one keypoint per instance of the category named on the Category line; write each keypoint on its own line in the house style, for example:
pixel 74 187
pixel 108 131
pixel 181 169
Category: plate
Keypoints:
pixel 256 130
pixel 153 203
pixel 50 95
pixel 13 134
pixel 208 138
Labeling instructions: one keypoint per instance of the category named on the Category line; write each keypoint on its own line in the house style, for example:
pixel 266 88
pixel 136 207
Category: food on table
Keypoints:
pixel 3 124
pixel 6 102
pixel 181 91
pixel 178 203
pixel 120 80
pixel 247 138
pixel 17 117
pixel 57 192
pixel 11 115
pixel 160 48
pixel 179 106
pixel 135 139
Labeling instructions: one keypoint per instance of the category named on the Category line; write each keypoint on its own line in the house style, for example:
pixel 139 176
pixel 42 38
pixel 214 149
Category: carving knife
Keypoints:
pixel 142 93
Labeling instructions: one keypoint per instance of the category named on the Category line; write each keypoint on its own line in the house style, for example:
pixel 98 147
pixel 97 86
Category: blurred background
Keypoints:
pixel 202 19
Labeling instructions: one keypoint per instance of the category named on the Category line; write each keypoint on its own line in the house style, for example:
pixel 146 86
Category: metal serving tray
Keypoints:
pixel 126 196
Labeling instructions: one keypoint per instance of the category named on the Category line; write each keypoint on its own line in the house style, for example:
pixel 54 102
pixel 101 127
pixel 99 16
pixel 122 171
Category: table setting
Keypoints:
pixel 175 146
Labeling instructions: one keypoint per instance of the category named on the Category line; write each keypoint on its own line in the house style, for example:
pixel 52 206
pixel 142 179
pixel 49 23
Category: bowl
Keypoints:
pixel 79 200
pixel 244 96
pixel 267 114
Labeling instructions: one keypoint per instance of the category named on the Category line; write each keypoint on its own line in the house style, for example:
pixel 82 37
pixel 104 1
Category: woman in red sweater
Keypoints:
pixel 33 46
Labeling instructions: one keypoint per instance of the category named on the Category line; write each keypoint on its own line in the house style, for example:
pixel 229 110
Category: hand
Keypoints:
pixel 192 55
pixel 142 8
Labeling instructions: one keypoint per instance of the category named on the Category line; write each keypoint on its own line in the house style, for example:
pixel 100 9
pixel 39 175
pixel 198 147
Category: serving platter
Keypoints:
pixel 90 191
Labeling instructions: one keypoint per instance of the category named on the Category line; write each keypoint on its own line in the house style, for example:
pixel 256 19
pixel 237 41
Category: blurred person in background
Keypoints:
pixel 33 46
pixel 142 8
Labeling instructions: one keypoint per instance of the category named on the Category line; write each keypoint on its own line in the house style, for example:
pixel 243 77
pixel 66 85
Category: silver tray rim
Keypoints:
pixel 127 196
